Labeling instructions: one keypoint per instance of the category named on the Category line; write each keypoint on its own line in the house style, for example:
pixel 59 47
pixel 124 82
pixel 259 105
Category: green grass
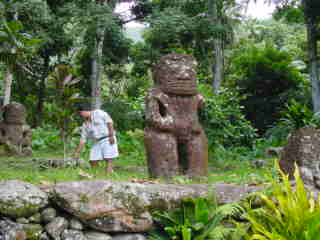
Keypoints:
pixel 24 169
pixel 126 168
pixel 228 166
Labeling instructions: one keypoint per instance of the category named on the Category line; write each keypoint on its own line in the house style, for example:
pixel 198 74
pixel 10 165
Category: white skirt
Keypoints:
pixel 104 150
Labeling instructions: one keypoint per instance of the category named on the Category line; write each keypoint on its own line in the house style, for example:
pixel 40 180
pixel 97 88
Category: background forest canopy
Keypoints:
pixel 260 78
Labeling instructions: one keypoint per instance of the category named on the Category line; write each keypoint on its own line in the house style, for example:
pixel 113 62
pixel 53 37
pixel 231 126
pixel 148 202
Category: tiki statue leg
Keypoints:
pixel 197 156
pixel 162 154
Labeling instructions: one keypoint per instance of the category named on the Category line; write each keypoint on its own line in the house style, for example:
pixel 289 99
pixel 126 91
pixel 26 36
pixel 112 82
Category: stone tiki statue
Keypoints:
pixel 15 134
pixel 174 139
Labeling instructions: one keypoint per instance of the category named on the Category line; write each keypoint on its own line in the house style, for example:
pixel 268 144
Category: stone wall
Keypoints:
pixel 94 210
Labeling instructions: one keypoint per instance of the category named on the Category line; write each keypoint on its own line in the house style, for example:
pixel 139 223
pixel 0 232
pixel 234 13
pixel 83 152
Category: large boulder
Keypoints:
pixel 125 207
pixel 303 149
pixel 20 199
pixel 119 206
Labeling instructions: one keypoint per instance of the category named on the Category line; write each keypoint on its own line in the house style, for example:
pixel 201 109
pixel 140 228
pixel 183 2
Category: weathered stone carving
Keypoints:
pixel 174 139
pixel 303 149
pixel 15 134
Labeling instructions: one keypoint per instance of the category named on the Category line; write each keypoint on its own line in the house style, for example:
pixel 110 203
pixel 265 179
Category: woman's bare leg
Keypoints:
pixel 94 164
pixel 108 165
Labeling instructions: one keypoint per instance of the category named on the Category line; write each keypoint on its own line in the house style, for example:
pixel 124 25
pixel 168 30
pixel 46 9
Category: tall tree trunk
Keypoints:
pixel 96 64
pixel 313 68
pixel 96 67
pixel 217 68
pixel 7 87
pixel 41 94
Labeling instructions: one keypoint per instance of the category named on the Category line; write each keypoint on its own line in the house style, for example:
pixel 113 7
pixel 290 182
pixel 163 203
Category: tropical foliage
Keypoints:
pixel 268 79
pixel 223 119
pixel 57 52
pixel 195 219
pixel 289 213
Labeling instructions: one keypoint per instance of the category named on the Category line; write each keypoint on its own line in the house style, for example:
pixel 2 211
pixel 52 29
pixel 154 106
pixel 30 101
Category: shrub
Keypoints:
pixel 45 138
pixel 295 116
pixel 269 80
pixel 195 219
pixel 223 120
pixel 289 213
pixel 131 142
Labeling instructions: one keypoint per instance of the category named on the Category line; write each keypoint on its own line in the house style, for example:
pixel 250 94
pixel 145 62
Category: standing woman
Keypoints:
pixel 98 126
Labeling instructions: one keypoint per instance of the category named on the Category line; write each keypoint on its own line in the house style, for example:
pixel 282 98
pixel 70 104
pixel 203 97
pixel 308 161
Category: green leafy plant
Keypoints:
pixel 61 108
pixel 296 115
pixel 45 138
pixel 223 120
pixel 195 219
pixel 289 213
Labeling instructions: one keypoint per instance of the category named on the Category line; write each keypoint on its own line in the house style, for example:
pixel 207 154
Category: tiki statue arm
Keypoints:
pixel 157 115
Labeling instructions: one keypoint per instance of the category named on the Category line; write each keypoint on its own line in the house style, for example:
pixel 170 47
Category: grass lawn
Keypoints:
pixel 130 166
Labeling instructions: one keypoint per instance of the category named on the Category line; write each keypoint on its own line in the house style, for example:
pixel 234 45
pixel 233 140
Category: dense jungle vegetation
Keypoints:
pixel 260 80
pixel 259 77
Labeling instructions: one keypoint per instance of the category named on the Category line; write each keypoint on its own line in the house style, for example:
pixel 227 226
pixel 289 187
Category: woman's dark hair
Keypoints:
pixel 84 106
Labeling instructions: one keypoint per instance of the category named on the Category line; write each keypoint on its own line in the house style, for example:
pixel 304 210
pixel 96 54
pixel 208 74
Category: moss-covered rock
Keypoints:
pixel 19 199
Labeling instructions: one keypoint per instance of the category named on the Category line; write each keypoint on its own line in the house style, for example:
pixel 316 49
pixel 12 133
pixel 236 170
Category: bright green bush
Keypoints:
pixel 289 213
pixel 48 139
pixel 131 141
pixel 45 138
pixel 195 219
pixel 223 119
pixel 295 116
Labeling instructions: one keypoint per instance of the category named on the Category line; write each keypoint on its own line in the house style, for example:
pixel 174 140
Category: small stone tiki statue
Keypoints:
pixel 15 134
pixel 174 139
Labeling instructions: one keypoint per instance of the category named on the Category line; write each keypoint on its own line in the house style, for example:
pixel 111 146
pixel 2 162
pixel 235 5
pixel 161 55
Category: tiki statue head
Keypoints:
pixel 14 113
pixel 175 74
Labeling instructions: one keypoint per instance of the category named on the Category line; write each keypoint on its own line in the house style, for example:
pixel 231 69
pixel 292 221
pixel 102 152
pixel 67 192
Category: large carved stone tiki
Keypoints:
pixel 174 139
pixel 15 134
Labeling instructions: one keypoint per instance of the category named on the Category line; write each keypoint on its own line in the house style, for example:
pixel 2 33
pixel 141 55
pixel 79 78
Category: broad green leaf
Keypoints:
pixel 186 233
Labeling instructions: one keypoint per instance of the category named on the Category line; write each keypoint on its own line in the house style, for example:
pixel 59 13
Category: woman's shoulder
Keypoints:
pixel 98 113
